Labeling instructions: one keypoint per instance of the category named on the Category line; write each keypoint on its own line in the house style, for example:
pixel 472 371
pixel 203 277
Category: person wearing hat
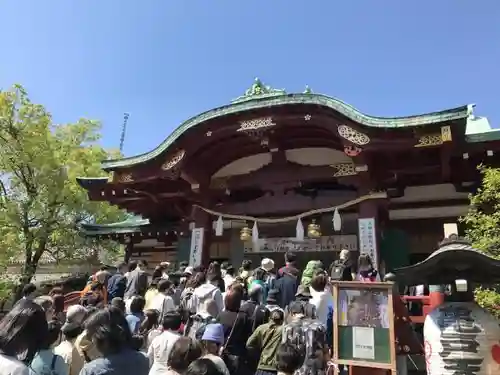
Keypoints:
pixel 303 296
pixel 71 329
pixel 267 265
pixel 272 300
pixel 212 342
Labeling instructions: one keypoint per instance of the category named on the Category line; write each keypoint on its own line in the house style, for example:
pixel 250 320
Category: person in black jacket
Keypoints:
pixel 287 281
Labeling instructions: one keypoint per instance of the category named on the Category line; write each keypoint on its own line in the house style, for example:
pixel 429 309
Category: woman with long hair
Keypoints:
pixel 22 333
pixel 237 330
pixel 366 269
pixel 109 331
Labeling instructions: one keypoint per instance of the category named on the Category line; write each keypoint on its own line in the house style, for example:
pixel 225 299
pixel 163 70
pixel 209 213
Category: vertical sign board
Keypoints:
pixel 196 247
pixel 368 239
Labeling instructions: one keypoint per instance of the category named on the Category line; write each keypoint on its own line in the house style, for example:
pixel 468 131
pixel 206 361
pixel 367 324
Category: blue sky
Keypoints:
pixel 164 61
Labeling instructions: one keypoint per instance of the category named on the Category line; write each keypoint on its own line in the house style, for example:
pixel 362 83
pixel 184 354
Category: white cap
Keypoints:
pixel 189 270
pixel 267 264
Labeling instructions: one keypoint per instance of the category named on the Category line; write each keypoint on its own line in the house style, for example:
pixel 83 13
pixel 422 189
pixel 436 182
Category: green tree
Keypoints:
pixel 483 229
pixel 41 203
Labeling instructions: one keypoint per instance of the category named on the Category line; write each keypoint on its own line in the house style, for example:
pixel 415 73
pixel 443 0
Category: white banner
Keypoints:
pixel 196 247
pixel 325 243
pixel 368 239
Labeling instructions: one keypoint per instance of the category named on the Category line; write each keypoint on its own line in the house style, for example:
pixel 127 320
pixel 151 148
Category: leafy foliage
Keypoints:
pixel 483 229
pixel 41 204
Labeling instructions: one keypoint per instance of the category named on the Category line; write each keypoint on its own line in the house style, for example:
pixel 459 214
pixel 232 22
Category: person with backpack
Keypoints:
pixel 311 268
pixel 255 310
pixel 197 323
pixel 46 362
pixel 209 290
pixel 188 304
pixel 303 296
pixel 343 268
pixel 310 335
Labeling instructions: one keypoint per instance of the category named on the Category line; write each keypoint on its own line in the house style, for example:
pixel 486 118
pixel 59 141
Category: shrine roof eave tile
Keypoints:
pixel 334 104
pixel 132 222
pixel 109 231
pixel 91 182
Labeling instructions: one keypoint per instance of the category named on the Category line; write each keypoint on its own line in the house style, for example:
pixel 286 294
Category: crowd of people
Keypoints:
pixel 193 321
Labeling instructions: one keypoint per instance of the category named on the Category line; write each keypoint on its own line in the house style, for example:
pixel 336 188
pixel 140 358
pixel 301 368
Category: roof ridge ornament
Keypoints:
pixel 307 90
pixel 258 91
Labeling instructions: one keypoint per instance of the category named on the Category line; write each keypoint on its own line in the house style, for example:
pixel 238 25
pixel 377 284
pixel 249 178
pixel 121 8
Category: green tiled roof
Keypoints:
pixel 267 97
pixel 133 224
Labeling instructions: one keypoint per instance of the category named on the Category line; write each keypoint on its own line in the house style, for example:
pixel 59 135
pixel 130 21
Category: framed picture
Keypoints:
pixel 363 325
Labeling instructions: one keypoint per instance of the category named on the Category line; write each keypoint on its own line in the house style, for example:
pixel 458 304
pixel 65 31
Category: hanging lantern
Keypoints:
pixel 245 234
pixel 299 230
pixel 337 221
pixel 219 226
pixel 313 230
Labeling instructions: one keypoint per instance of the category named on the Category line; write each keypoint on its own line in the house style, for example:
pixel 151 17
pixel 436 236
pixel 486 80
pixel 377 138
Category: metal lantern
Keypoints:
pixel 313 230
pixel 245 234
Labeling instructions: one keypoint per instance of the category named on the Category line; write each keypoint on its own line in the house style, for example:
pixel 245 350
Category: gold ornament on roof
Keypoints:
pixel 313 230
pixel 258 91
pixel 245 234
pixel 256 124
pixel 353 136
pixel 172 162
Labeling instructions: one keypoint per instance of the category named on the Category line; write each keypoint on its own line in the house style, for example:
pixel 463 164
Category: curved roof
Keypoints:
pixel 453 260
pixel 260 96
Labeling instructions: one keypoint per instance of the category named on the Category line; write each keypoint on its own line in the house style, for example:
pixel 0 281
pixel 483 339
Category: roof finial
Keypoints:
pixel 258 90
pixel 307 90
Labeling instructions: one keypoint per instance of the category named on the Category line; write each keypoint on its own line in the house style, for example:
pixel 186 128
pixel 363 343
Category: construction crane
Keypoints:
pixel 124 130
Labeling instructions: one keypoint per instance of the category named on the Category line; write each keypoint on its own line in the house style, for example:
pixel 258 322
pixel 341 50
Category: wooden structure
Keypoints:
pixel 271 157
pixel 371 328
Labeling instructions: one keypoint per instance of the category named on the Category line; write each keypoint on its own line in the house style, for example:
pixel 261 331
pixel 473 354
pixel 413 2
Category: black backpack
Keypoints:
pixel 337 271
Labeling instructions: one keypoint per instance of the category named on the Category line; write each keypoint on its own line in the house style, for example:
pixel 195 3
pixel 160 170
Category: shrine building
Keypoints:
pixel 273 171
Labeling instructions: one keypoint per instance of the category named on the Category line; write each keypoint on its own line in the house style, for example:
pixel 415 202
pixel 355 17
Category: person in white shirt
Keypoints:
pixel 75 315
pixel 159 350
pixel 227 274
pixel 163 302
pixel 321 297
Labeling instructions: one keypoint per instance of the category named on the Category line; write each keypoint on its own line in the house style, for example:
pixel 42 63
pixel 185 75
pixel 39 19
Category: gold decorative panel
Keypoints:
pixel 344 169
pixel 256 124
pixel 353 136
pixel 172 162
pixel 125 177
pixel 446 133
pixel 430 140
